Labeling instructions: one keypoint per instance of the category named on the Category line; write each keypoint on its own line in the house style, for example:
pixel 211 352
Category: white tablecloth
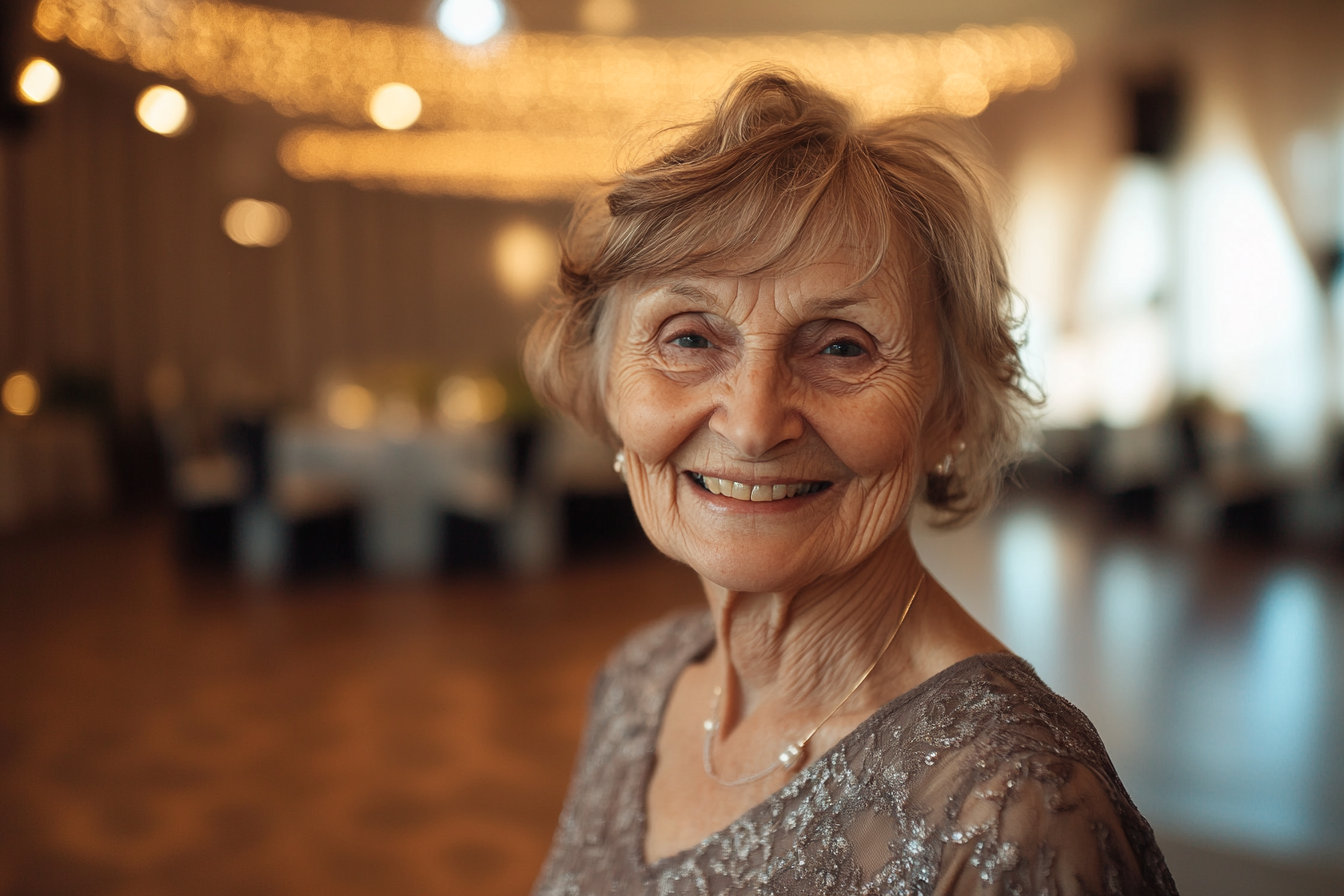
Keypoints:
pixel 401 482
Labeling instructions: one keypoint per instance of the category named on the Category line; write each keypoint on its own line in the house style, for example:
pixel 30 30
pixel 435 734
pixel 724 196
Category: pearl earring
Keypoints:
pixel 619 464
pixel 944 467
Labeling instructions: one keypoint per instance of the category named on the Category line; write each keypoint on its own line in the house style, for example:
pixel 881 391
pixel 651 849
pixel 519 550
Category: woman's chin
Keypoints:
pixel 750 567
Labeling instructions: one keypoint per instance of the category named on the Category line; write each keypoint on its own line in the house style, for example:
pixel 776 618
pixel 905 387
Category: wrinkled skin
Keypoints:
pixel 801 377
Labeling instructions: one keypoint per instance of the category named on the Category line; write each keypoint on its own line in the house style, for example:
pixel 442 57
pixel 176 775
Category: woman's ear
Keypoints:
pixel 941 437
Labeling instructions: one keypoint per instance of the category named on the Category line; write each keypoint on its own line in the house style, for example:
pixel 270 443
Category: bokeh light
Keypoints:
pixel 163 110
pixel 467 401
pixel 251 222
pixel 470 22
pixel 39 81
pixel 964 94
pixel 351 406
pixel 489 125
pixel 394 106
pixel 607 16
pixel 526 259
pixel 21 394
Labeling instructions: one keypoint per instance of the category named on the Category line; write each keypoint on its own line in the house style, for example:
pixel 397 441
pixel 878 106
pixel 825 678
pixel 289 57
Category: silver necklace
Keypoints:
pixel 792 754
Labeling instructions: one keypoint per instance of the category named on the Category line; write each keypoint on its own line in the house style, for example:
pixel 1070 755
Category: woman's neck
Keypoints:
pixel 800 652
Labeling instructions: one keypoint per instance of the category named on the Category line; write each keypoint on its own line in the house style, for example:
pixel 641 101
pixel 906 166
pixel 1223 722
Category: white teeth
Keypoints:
pixel 758 493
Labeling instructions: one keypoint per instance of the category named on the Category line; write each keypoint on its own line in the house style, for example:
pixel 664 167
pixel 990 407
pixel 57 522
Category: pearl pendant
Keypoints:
pixel 791 756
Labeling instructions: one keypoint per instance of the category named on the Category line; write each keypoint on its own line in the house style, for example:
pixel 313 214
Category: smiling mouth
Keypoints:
pixel 745 491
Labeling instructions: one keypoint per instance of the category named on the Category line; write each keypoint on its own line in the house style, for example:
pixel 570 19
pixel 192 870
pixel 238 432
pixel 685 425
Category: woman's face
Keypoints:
pixel 774 426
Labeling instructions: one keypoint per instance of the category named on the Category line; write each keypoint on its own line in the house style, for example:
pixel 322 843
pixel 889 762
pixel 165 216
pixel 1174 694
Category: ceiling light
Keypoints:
pixel 38 82
pixel 394 107
pixel 163 110
pixel 20 394
pixel 251 222
pixel 470 22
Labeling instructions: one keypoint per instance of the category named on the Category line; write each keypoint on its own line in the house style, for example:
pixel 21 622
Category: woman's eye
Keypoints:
pixel 843 349
pixel 690 340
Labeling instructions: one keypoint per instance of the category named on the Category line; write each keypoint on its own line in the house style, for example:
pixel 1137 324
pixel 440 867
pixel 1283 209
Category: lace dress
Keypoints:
pixel 979 780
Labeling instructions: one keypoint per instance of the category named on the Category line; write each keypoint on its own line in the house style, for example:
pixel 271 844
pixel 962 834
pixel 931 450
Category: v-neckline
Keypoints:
pixel 702 646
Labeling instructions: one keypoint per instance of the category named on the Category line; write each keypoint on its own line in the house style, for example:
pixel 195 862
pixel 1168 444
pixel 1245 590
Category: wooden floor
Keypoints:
pixel 170 732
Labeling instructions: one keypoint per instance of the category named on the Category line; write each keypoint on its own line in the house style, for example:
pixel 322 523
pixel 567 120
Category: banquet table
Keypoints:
pixel 401 481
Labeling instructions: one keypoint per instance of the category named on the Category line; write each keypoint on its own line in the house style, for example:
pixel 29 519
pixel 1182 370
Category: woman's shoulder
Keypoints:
pixel 998 705
pixel 986 713
pixel 1011 775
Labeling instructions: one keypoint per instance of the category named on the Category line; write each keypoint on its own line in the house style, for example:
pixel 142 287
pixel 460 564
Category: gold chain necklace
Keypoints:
pixel 792 753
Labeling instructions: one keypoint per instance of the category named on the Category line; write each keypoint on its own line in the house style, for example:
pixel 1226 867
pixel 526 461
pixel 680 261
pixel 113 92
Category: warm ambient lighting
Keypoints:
pixel 163 110
pixel 38 82
pixel 470 22
pixel 495 166
pixel 526 259
pixel 251 222
pixel 305 64
pixel 529 93
pixel 21 394
pixel 465 401
pixel 394 107
pixel 351 406
pixel 607 16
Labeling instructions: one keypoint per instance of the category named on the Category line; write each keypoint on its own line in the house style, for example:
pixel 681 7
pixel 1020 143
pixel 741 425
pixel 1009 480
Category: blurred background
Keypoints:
pixel 300 591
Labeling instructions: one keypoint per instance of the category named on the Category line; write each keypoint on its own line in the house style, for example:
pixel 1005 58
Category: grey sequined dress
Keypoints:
pixel 979 780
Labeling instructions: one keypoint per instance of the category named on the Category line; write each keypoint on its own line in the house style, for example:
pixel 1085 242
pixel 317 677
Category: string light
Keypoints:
pixel 38 82
pixel 472 163
pixel 470 22
pixel 163 110
pixel 251 222
pixel 394 107
pixel 504 105
pixel 307 64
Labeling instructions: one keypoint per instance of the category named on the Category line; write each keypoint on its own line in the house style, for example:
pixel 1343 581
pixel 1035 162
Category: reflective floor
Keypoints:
pixel 1213 672
pixel 163 732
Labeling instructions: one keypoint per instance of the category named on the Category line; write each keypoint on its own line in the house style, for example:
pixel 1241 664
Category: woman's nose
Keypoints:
pixel 757 410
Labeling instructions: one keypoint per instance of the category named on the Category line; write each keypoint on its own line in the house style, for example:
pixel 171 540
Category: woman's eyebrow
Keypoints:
pixel 707 299
pixel 691 291
pixel 702 297
pixel 839 303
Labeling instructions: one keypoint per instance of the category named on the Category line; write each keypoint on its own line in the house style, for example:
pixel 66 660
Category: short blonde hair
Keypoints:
pixel 779 176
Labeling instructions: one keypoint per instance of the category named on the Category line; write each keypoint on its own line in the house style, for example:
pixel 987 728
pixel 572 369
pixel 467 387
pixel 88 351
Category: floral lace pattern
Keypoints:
pixel 979 780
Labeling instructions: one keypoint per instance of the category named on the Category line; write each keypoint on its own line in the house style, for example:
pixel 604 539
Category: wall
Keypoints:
pixel 115 259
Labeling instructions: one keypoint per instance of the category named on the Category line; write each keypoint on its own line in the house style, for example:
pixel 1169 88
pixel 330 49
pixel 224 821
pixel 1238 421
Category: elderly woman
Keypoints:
pixel 795 329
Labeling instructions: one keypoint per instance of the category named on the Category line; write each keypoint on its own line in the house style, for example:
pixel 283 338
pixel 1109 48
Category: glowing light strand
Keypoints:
pixel 305 64
pixel 529 116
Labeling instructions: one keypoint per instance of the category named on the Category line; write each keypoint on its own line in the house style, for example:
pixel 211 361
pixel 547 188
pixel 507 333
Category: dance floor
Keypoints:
pixel 164 731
